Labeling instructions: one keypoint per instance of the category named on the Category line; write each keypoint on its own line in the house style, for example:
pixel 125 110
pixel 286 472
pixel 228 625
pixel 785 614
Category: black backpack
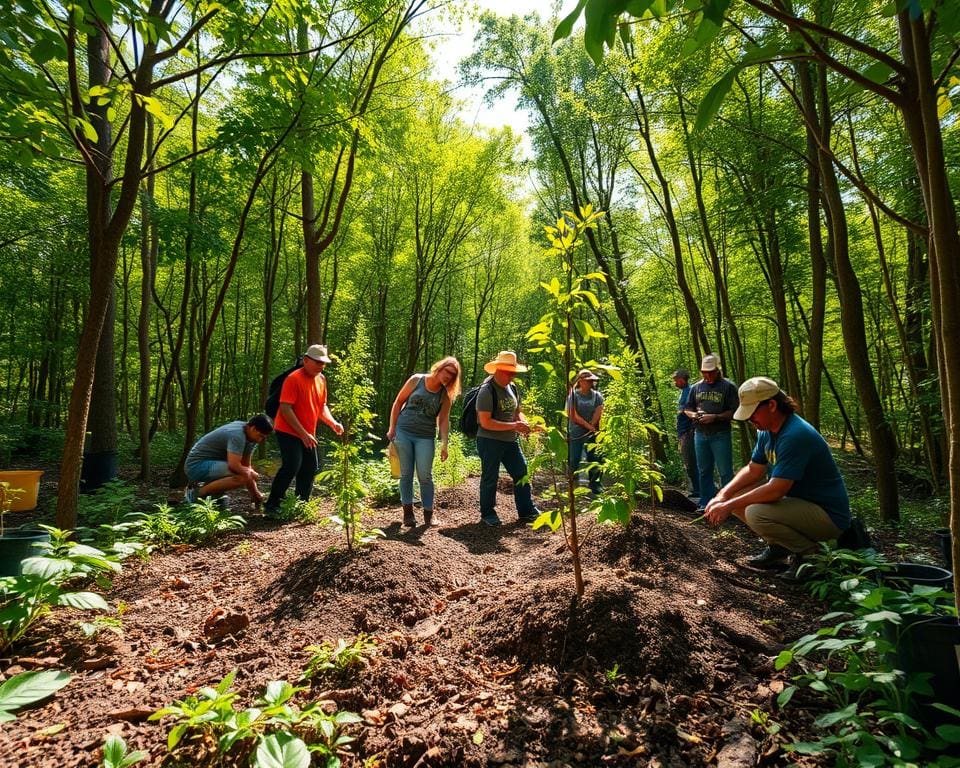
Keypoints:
pixel 272 405
pixel 468 416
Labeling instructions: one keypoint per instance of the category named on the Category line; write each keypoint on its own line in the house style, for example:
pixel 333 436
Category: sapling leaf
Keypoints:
pixel 28 687
pixel 281 750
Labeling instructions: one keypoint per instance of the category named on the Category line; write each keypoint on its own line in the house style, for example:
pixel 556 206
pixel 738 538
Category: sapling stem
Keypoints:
pixel 697 519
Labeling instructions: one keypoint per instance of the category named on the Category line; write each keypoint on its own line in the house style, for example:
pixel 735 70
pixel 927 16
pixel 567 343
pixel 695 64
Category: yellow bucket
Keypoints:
pixel 23 486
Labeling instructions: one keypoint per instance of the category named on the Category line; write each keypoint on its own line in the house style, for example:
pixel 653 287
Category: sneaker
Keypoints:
pixel 773 556
pixel 492 520
pixel 190 495
pixel 271 513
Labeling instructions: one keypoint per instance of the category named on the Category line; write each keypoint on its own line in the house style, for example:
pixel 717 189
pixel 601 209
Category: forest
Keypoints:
pixel 194 192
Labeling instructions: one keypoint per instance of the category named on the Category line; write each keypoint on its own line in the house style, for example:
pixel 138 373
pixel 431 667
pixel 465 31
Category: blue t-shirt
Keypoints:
pixel 684 422
pixel 799 453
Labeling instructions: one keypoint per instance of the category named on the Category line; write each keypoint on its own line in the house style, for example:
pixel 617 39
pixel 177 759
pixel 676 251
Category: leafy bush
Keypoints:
pixel 108 504
pixel 46 581
pixel 273 729
pixel 203 520
pixel 458 466
pixel 848 663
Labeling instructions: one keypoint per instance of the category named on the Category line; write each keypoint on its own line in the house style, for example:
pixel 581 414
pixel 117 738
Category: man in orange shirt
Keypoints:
pixel 303 403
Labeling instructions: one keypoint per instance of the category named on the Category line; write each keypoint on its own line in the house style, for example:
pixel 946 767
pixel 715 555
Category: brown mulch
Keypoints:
pixel 485 657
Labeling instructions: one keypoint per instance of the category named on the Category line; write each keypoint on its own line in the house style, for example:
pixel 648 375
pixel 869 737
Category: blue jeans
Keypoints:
pixel 297 461
pixel 415 451
pixel 713 450
pixel 688 452
pixel 577 449
pixel 492 454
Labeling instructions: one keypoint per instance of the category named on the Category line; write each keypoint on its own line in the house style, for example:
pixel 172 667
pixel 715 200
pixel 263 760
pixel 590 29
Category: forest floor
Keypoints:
pixel 483 656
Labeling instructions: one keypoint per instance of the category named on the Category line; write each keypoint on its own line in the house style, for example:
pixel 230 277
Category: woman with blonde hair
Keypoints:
pixel 422 406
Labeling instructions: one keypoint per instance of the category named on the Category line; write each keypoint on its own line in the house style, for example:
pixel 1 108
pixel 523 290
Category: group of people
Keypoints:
pixel 790 493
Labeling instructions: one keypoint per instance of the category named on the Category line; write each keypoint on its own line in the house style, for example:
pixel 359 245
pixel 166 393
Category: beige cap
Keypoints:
pixel 753 392
pixel 586 373
pixel 317 352
pixel 505 361
pixel 710 363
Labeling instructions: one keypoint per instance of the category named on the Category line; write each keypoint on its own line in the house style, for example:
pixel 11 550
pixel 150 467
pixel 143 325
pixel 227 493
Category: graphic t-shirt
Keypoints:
pixel 507 404
pixel 799 453
pixel 714 398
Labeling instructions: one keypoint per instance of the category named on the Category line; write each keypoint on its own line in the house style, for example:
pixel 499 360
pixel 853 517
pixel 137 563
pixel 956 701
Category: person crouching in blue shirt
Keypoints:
pixel 803 500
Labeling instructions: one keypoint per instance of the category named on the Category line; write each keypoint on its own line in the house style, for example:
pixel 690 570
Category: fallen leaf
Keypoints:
pixel 458 593
pixel 478 737
pixel 507 672
pixel 398 710
pixel 50 730
pixel 373 716
pixel 688 737
pixel 132 715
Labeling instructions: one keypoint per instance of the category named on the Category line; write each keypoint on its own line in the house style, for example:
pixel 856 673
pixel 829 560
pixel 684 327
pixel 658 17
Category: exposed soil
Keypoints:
pixel 484 657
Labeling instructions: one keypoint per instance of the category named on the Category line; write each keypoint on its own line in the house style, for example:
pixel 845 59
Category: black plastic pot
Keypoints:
pixel 98 468
pixel 16 546
pixel 932 645
pixel 945 543
pixel 905 575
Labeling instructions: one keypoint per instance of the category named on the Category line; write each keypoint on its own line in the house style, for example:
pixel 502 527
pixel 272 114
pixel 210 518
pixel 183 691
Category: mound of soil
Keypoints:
pixel 484 656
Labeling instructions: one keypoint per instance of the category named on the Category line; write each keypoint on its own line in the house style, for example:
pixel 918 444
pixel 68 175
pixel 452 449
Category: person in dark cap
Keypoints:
pixel 791 494
pixel 685 432
pixel 220 460
pixel 303 405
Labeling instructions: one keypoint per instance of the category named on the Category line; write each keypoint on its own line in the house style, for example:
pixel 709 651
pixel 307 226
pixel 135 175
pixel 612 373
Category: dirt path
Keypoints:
pixel 484 658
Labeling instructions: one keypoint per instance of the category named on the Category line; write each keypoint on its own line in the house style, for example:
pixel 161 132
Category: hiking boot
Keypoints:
pixel 409 520
pixel 492 520
pixel 527 519
pixel 190 495
pixel 796 573
pixel 428 518
pixel 773 556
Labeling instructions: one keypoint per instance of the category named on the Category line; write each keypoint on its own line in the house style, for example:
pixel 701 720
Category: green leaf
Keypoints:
pixel 281 750
pixel 28 687
pixel 714 98
pixel 949 733
pixel 89 601
pixel 565 27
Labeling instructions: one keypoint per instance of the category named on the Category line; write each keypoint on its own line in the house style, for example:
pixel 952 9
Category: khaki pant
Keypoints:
pixel 793 523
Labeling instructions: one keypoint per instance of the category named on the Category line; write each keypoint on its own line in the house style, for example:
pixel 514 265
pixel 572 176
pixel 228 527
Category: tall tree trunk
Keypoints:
pixel 148 252
pixel 882 440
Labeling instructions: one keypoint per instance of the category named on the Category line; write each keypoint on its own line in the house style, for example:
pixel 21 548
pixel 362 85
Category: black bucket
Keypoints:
pixel 98 469
pixel 932 645
pixel 905 575
pixel 16 546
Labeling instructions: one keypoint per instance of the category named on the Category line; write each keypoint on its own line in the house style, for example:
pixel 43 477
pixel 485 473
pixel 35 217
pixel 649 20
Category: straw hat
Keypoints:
pixel 586 373
pixel 505 361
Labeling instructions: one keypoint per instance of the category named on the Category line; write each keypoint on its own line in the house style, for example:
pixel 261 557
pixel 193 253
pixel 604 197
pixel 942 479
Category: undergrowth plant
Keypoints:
pixel 339 661
pixel 48 580
pixel 116 754
pixel 274 731
pixel 458 466
pixel 354 395
pixel 848 663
